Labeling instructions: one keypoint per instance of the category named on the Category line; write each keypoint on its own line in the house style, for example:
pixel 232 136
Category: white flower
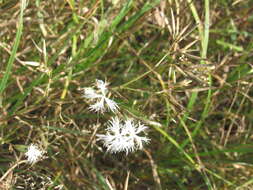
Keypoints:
pixel 34 154
pixel 132 130
pixel 99 97
pixel 123 137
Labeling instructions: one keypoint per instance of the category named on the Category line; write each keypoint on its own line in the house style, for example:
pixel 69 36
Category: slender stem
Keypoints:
pixel 69 77
pixel 206 30
pixel 197 20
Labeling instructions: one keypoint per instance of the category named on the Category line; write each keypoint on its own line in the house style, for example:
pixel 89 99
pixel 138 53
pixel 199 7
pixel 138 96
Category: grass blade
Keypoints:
pixel 7 73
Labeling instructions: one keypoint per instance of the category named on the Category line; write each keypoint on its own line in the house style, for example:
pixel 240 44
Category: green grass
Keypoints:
pixel 183 68
pixel 7 73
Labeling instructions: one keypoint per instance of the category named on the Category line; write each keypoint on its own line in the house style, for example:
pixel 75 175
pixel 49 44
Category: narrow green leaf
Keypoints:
pixel 7 73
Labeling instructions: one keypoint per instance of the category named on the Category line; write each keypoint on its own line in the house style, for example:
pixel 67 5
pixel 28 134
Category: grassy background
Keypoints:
pixel 184 68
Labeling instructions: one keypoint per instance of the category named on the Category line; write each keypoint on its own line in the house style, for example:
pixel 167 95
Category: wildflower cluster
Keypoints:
pixel 121 136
